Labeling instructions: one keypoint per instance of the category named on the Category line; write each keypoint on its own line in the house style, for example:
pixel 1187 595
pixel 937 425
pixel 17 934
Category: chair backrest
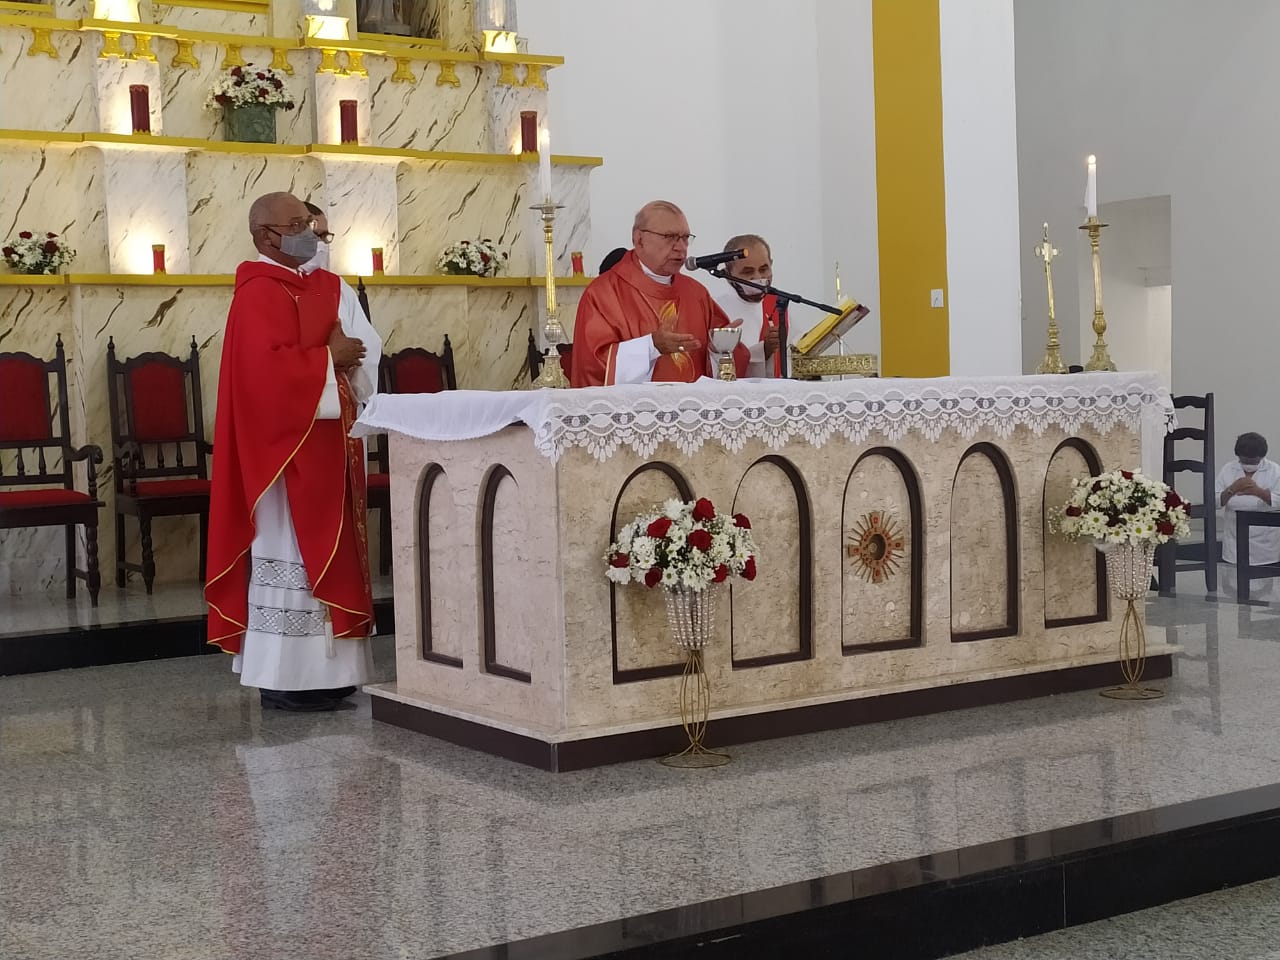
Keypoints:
pixel 1202 462
pixel 34 420
pixel 155 405
pixel 416 370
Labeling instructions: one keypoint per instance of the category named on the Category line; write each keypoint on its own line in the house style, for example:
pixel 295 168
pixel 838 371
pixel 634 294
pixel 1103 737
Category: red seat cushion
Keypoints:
pixel 182 487
pixel 42 497
pixel 379 481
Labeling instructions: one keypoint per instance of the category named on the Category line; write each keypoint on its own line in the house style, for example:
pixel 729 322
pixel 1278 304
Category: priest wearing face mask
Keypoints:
pixel 1250 482
pixel 288 589
pixel 754 309
pixel 644 321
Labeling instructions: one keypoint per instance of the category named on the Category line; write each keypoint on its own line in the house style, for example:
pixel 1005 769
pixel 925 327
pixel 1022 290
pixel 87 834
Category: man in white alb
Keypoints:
pixel 1249 482
pixel 751 307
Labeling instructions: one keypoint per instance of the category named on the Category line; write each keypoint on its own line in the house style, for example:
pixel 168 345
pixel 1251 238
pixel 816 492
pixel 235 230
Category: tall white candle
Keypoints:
pixel 544 163
pixel 1091 188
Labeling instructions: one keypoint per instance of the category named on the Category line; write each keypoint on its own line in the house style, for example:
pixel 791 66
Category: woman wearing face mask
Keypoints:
pixel 1250 482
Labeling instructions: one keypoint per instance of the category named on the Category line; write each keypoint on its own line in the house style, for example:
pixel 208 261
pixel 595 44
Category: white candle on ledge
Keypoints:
pixel 544 163
pixel 1091 188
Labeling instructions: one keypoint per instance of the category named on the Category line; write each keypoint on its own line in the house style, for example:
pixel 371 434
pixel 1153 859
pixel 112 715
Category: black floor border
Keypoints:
pixel 129 642
pixel 963 899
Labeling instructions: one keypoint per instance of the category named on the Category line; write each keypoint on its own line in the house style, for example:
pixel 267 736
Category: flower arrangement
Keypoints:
pixel 479 258
pixel 32 253
pixel 247 86
pixel 683 544
pixel 1120 507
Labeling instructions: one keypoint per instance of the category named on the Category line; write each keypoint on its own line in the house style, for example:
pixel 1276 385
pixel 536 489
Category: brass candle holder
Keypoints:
pixel 1052 362
pixel 1101 358
pixel 551 375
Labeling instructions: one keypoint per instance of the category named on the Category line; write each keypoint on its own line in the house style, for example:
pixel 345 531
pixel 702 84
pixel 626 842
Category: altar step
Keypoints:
pixel 959 900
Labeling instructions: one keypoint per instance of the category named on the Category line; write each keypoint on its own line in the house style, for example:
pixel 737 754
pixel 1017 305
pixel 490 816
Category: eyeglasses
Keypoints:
pixel 326 237
pixel 293 226
pixel 672 238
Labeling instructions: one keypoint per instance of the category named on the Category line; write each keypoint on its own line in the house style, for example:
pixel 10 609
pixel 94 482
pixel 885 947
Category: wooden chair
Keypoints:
pixel 412 370
pixel 48 497
pixel 535 358
pixel 154 402
pixel 1174 558
pixel 1246 570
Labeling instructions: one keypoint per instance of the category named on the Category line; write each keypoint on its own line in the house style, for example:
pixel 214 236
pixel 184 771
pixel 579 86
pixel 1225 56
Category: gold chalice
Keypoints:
pixel 724 340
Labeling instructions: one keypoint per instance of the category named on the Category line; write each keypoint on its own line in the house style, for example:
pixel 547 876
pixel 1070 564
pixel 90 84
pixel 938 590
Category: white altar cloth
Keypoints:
pixel 641 416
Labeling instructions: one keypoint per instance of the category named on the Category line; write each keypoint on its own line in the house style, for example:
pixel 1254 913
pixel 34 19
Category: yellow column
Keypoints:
pixel 914 337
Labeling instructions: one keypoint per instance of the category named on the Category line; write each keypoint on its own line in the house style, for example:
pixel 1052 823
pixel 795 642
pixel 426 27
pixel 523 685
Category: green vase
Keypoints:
pixel 251 123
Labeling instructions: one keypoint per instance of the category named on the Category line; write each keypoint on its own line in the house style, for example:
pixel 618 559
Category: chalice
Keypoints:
pixel 724 340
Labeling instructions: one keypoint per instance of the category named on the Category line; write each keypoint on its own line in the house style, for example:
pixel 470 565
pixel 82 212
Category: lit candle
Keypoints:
pixel 544 163
pixel 377 261
pixel 157 258
pixel 1091 188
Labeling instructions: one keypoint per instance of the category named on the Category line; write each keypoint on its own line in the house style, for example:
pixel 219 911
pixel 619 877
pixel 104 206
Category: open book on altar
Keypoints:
pixel 809 357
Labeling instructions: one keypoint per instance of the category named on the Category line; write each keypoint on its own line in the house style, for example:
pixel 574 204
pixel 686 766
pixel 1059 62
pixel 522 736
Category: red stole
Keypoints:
pixel 769 306
pixel 275 361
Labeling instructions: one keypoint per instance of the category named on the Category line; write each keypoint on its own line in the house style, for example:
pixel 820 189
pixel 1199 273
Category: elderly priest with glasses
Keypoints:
pixel 644 320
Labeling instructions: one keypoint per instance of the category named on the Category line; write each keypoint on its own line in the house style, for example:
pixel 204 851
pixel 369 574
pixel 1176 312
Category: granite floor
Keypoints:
pixel 154 811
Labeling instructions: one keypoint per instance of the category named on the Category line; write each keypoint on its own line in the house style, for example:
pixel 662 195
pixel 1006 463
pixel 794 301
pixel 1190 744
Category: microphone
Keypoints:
pixel 713 260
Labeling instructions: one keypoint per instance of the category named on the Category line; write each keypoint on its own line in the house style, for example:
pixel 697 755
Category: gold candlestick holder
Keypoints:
pixel 551 375
pixel 1052 362
pixel 1101 358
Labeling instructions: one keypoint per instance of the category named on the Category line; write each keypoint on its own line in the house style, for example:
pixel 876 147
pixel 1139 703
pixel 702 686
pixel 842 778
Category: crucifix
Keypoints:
pixel 1052 362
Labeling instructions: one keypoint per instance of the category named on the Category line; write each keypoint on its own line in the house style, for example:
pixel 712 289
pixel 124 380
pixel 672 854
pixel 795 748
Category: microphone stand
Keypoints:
pixel 785 300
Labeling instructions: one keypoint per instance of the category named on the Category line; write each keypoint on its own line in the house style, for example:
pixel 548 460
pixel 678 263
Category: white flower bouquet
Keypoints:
pixel 683 544
pixel 473 258
pixel 248 86
pixel 1120 507
pixel 34 253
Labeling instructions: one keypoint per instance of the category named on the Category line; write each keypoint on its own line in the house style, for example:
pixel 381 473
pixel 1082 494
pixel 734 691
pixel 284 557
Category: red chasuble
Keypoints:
pixel 625 304
pixel 275 361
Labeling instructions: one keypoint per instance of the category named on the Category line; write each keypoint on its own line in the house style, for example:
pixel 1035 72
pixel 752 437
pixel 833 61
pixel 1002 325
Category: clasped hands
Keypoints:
pixel 347 352
pixel 1246 486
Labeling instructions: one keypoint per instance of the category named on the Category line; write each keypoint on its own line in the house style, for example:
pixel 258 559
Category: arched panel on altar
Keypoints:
pixel 505 564
pixel 440 639
pixel 1075 575
pixel 985 574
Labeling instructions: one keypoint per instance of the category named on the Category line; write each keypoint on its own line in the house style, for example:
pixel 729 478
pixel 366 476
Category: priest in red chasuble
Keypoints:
pixel 288 587
pixel 644 320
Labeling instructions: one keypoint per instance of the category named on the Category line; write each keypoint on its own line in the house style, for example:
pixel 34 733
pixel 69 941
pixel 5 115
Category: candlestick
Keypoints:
pixel 576 259
pixel 1052 362
pixel 347 121
pixel 140 107
pixel 551 375
pixel 528 131
pixel 1101 359
pixel 1091 188
pixel 544 164
pixel 378 265
pixel 157 258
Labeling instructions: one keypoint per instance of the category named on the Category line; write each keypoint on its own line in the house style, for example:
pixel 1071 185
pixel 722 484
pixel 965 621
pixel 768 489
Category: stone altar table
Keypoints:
pixel 510 639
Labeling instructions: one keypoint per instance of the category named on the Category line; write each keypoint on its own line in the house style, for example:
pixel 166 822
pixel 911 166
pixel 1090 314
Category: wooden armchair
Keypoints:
pixel 155 404
pixel 412 370
pixel 46 497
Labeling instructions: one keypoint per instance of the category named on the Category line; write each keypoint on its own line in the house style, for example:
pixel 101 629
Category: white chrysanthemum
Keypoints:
pixel 618 574
pixel 670 578
pixel 673 509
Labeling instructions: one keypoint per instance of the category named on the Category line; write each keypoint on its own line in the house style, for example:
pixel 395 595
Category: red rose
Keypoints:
pixel 699 540
pixel 703 510
pixel 1073 511
pixel 659 527
pixel 466 243
pixel 25 235
pixel 236 71
pixel 749 571
pixel 1172 500
pixel 485 258
pixel 620 560
pixel 50 247
pixel 722 573
pixel 1165 528
pixel 1127 474
pixel 50 235
pixel 9 252
pixel 653 577
pixel 740 520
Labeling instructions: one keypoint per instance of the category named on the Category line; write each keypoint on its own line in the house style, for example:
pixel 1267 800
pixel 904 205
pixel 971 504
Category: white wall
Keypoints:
pixel 1175 97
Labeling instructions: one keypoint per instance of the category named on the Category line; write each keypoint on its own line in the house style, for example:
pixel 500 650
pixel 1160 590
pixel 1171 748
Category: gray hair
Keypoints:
pixel 743 240
pixel 642 217
pixel 259 211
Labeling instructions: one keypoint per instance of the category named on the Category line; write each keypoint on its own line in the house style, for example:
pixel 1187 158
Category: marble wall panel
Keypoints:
pixel 328 90
pixel 765 614
pixel 875 612
pixel 1070 569
pixel 59 189
pixel 73 9
pixel 112 78
pixel 209 21
pixel 512 555
pixel 424 115
pixel 571 188
pixel 221 188
pixel 979 519
pixel 452 21
pixel 494 342
pixel 360 197
pixel 146 194
pixel 71 104
pixel 506 101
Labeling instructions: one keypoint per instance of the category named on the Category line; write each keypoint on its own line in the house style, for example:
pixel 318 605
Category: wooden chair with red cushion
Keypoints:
pixel 412 370
pixel 47 497
pixel 155 406
pixel 535 358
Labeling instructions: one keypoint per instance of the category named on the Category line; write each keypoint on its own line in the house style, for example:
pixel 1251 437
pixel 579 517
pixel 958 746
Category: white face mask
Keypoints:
pixel 320 261
pixel 751 294
pixel 1250 467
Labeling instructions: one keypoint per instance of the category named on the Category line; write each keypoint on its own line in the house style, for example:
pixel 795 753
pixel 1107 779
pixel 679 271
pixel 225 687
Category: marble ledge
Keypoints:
pixel 228 279
pixel 392 691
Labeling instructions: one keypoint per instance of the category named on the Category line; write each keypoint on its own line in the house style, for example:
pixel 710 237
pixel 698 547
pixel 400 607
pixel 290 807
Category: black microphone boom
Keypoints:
pixel 713 260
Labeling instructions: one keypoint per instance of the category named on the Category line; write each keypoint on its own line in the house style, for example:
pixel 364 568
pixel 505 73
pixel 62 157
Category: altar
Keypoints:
pixel 510 638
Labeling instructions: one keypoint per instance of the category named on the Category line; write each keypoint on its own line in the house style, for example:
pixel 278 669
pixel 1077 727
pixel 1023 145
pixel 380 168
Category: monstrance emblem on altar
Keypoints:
pixel 877 547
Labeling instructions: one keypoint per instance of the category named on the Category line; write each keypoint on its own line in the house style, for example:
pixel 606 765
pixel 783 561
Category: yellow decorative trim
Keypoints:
pixel 151 279
pixel 233 6
pixel 328 61
pixel 280 60
pixel 232 57
pixel 403 73
pixel 392 41
pixel 535 76
pixel 185 57
pixel 525 58
pixel 111 46
pixel 31 280
pixel 228 280
pixel 41 136
pixel 142 47
pixel 29 8
pixel 448 74
pixel 355 64
pixel 40 43
pixel 507 74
